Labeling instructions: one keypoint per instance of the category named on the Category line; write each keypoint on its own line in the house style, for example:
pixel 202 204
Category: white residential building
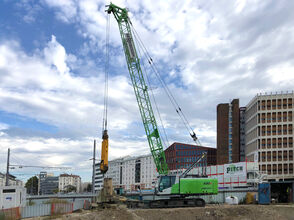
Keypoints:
pixel 12 180
pixel 98 179
pixel 66 180
pixel 132 173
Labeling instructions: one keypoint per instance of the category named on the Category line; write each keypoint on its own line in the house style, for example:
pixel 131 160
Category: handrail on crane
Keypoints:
pixel 204 154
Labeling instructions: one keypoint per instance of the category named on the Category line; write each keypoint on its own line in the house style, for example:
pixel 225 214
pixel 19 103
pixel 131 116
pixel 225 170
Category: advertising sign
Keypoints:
pixel 235 169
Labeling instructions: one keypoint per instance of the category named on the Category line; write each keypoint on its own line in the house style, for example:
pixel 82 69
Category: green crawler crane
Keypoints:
pixel 173 188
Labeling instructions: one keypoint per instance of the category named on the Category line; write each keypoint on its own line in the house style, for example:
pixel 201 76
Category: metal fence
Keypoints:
pixel 42 210
pixel 13 213
pixel 79 204
pixel 35 210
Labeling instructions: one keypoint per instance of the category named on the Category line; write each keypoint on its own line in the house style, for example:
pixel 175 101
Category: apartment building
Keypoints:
pixel 66 181
pixel 132 173
pixel 269 134
pixel 12 181
pixel 228 136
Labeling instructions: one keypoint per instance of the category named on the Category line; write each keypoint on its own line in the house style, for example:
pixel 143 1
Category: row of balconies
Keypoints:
pixel 276 156
pixel 275 104
pixel 274 169
pixel 275 130
pixel 275 143
pixel 275 117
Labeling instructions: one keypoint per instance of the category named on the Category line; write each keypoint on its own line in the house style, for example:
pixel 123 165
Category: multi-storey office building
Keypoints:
pixel 228 136
pixel 180 155
pixel 49 185
pixel 98 178
pixel 269 134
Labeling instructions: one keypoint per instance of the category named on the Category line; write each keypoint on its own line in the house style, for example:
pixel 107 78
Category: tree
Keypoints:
pixel 70 188
pixel 32 185
pixel 89 187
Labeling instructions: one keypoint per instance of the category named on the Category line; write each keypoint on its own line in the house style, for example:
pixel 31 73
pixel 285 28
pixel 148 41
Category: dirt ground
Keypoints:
pixel 219 212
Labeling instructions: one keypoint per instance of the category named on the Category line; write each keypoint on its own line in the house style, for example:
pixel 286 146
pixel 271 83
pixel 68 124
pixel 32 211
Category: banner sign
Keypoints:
pixel 235 169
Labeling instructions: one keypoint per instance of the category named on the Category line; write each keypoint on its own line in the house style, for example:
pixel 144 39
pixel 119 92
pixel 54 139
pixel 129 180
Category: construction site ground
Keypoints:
pixel 221 212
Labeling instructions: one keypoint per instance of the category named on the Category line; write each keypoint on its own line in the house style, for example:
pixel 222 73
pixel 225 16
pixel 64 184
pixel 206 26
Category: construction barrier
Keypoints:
pixel 61 208
pixel 42 210
pixel 12 213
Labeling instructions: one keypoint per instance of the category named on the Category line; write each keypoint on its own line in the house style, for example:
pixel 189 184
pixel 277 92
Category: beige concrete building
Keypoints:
pixel 269 134
pixel 67 180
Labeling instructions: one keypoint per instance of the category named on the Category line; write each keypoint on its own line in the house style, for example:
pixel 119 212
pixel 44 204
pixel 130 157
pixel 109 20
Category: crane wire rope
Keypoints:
pixel 104 122
pixel 152 93
pixel 166 88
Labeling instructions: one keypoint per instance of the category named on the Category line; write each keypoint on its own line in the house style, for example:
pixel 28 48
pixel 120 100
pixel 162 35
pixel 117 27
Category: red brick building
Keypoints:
pixel 180 155
pixel 228 132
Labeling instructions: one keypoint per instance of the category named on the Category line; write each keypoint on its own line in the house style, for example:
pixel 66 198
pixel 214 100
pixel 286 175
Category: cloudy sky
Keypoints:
pixel 52 59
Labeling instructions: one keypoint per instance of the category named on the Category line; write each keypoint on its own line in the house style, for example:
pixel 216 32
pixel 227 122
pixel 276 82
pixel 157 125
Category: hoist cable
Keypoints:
pixel 166 88
pixel 104 126
pixel 152 94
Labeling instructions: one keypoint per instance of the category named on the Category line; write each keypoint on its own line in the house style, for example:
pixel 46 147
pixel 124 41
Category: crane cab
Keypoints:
pixel 165 184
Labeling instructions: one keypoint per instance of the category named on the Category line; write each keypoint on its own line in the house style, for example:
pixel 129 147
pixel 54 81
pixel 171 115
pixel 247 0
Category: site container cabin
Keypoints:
pixel 12 196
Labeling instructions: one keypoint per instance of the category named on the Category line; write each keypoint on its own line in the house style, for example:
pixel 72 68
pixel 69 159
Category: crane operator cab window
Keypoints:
pixel 166 182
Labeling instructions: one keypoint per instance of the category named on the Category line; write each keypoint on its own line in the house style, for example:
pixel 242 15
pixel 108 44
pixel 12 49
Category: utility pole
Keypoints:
pixel 7 169
pixel 39 184
pixel 93 175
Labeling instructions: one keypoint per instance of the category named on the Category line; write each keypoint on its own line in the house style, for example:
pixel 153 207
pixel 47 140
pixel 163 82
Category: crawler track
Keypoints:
pixel 167 203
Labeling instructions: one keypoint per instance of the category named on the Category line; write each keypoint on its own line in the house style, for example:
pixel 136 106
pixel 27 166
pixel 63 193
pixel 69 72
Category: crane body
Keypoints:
pixel 140 88
pixel 176 187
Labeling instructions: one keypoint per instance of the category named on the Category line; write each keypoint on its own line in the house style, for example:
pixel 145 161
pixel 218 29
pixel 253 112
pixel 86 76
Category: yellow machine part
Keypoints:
pixel 104 153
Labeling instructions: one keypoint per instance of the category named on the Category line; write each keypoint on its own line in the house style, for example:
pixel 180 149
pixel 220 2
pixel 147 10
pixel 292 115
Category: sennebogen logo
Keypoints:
pixel 234 169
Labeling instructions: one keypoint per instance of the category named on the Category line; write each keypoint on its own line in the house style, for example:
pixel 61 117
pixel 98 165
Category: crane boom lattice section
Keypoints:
pixel 140 88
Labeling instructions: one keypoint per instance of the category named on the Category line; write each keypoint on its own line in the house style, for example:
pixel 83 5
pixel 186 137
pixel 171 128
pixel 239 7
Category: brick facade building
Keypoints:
pixel 180 155
pixel 228 132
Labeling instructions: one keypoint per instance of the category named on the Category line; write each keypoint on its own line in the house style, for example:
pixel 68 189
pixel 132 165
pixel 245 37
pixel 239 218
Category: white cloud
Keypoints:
pixel 68 9
pixel 3 126
pixel 55 54
pixel 208 51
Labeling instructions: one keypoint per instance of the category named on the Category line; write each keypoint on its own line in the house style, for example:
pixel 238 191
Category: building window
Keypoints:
pixel 291 168
pixel 269 156
pixel 284 129
pixel 274 168
pixel 285 155
pixel 280 168
pixel 274 156
pixel 290 155
pixel 289 103
pixel 285 168
pixel 279 103
pixel 290 129
pixel 284 103
pixel 269 169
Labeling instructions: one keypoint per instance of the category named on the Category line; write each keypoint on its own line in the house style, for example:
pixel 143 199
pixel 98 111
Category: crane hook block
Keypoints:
pixel 194 136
